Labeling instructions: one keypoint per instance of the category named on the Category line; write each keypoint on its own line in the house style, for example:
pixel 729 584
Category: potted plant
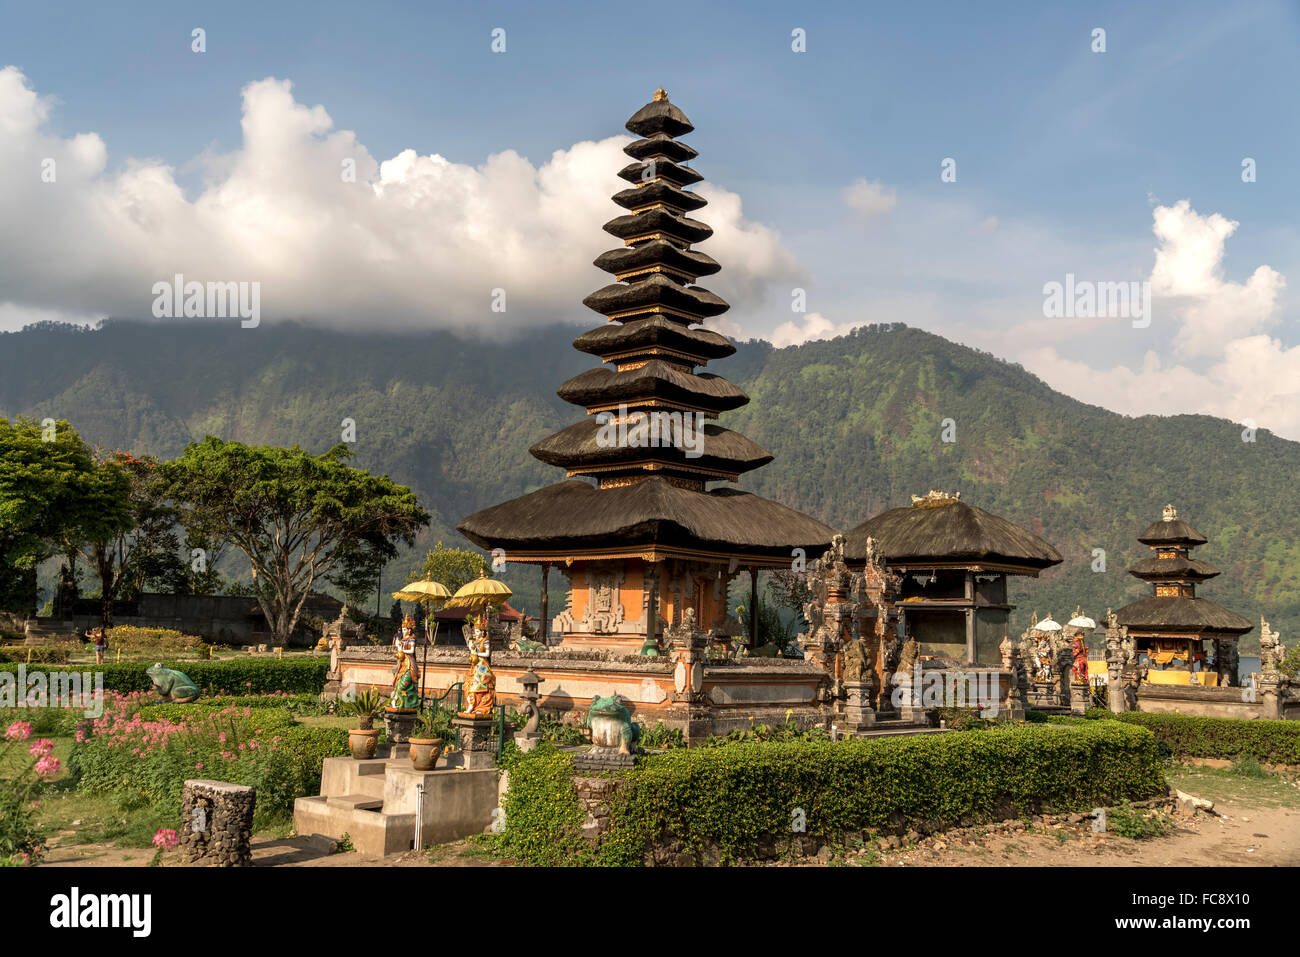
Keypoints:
pixel 363 739
pixel 426 748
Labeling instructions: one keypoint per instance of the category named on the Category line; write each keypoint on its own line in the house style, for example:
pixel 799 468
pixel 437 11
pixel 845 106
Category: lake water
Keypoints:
pixel 1246 666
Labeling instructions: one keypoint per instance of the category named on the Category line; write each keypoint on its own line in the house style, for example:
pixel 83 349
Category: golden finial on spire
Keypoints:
pixel 660 95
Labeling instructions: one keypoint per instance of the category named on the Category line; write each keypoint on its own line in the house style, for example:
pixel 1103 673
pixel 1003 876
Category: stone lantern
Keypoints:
pixel 528 736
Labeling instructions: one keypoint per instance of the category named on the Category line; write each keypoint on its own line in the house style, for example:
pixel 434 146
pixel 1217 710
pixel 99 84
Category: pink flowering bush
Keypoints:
pixel 145 752
pixel 166 839
pixel 23 770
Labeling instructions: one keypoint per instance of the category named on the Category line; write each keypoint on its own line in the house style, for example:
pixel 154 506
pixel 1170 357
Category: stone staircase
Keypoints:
pixel 374 802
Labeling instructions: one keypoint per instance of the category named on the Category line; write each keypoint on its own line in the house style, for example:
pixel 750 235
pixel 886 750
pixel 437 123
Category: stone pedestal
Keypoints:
pixel 216 823
pixel 858 713
pixel 475 738
pixel 602 759
pixel 526 742
pixel 1080 697
pixel 398 723
pixel 1270 696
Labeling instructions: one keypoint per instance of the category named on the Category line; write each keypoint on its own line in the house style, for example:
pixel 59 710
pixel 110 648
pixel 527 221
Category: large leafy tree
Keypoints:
pixel 301 519
pixel 52 492
pixel 132 548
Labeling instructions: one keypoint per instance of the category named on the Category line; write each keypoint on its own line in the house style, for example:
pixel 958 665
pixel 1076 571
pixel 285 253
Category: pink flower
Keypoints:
pixel 41 747
pixel 47 766
pixel 198 766
pixel 166 838
pixel 19 731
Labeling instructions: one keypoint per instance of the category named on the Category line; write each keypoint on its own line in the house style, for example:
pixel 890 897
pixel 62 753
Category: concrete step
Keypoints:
pixel 358 802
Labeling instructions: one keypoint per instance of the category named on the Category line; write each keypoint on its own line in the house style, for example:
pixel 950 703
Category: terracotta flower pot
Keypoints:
pixel 363 743
pixel 425 753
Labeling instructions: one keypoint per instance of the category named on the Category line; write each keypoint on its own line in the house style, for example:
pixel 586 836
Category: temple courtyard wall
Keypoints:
pixel 735 693
pixel 1210 702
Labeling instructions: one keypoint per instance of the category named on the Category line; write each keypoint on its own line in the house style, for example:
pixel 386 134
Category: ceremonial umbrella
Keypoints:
pixel 479 594
pixel 433 594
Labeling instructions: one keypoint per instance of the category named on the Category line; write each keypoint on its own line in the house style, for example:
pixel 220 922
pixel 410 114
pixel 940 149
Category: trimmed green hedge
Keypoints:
pixel 238 676
pixel 734 798
pixel 1277 742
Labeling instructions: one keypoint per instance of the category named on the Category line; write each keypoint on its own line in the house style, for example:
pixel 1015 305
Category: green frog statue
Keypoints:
pixel 612 726
pixel 172 686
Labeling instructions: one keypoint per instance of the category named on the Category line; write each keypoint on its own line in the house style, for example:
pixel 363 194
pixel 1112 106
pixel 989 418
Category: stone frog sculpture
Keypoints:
pixel 612 726
pixel 174 686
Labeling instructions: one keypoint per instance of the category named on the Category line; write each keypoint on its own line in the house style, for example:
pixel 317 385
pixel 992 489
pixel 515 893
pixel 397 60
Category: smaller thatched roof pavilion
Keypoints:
pixel 954 558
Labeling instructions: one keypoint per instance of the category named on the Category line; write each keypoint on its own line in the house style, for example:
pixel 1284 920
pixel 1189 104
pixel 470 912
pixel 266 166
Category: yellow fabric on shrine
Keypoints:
pixel 1183 678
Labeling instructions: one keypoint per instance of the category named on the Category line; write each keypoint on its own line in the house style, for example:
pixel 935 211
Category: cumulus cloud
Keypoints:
pixel 810 326
pixel 1222 364
pixel 870 198
pixel 408 242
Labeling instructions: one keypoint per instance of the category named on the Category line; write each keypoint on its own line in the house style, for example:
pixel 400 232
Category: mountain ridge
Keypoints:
pixel 856 425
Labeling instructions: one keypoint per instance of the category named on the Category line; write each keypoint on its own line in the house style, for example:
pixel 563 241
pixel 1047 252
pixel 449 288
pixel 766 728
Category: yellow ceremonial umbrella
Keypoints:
pixel 480 593
pixel 433 594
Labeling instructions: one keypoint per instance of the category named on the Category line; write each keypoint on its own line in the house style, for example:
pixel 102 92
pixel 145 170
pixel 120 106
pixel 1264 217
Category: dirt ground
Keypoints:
pixel 1255 822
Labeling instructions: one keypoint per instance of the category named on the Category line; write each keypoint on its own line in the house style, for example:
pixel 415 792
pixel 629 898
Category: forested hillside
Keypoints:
pixel 856 425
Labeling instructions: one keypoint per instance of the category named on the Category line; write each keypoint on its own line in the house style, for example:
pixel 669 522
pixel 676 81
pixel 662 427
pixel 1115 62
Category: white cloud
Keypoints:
pixel 1241 374
pixel 415 241
pixel 869 198
pixel 810 326
pixel 1189 266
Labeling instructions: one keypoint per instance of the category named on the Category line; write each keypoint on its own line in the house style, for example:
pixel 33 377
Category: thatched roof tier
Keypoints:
pixel 662 169
pixel 659 116
pixel 652 519
pixel 660 253
pixel 659 145
pixel 653 336
pixel 655 224
pixel 655 289
pixel 1175 533
pixel 660 193
pixel 1181 615
pixel 656 380
pixel 1173 569
pixel 951 533
pixel 586 449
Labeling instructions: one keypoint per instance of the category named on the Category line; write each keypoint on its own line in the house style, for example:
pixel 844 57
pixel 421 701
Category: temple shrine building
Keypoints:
pixel 953 560
pixel 1175 630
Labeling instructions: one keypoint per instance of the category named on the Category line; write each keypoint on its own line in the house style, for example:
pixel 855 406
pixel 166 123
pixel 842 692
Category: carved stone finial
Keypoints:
pixel 660 95
pixel 935 498
pixel 1170 513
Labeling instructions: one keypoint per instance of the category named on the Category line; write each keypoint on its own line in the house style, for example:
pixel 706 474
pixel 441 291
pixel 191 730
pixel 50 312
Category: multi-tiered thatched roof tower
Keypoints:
pixel 636 527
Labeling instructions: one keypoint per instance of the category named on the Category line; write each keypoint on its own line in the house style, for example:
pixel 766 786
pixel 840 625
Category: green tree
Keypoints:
pixel 136 547
pixel 300 519
pixel 453 567
pixel 52 492
pixel 202 552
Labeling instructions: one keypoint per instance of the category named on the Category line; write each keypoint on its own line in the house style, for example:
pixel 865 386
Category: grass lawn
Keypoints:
pixel 1226 784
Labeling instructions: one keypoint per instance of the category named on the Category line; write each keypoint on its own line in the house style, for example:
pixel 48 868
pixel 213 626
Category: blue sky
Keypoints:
pixel 1063 155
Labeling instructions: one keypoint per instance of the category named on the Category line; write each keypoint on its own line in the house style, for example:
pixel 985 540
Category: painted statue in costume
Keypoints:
pixel 406 682
pixel 480 683
pixel 1079 651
